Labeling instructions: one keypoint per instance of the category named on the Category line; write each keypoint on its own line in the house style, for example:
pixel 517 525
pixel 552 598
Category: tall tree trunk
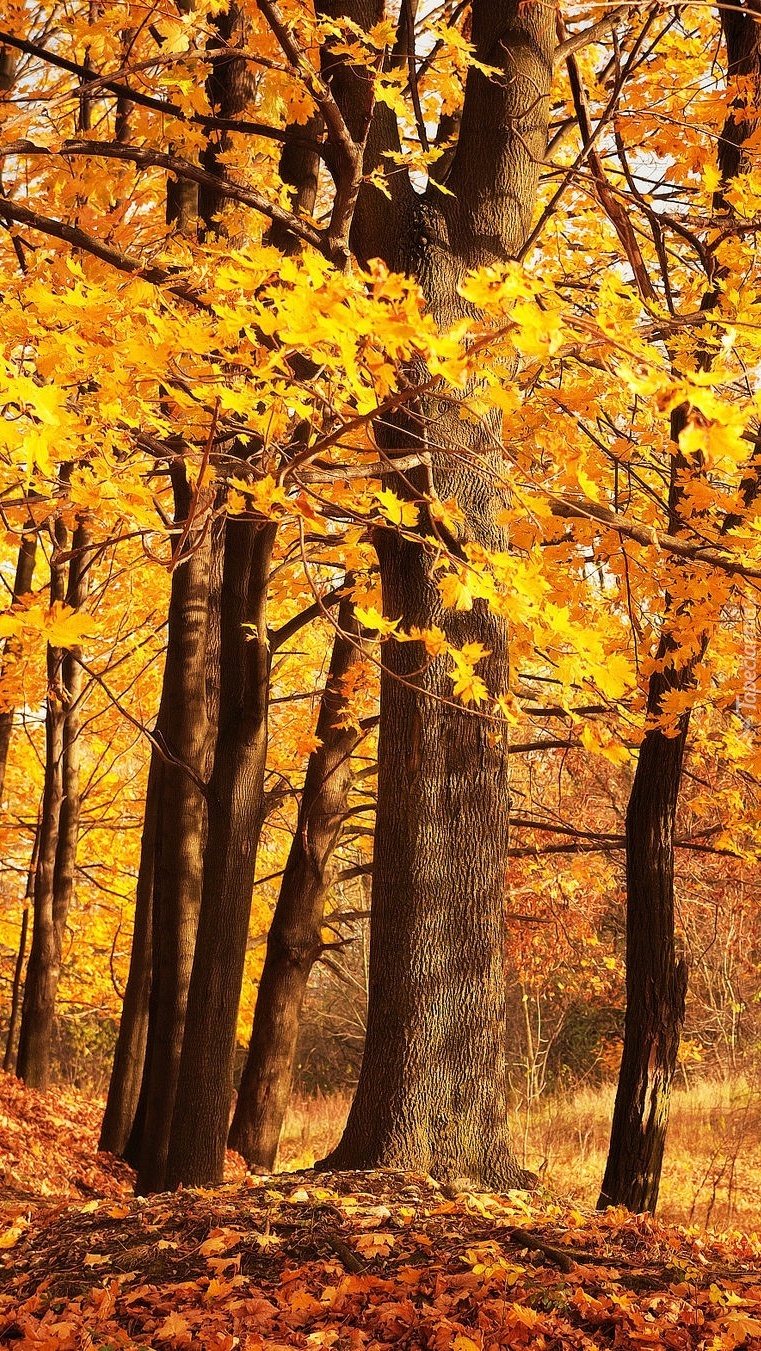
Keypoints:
pixel 295 937
pixel 22 585
pixel 9 1059
pixel 185 733
pixel 656 982
pixel 129 1056
pixel 432 1091
pixel 235 796
pixel 59 826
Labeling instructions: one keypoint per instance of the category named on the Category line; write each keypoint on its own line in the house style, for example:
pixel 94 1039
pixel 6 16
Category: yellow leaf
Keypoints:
pixel 10 1237
pixel 373 619
pixel 455 593
pixel 219 1240
pixel 395 510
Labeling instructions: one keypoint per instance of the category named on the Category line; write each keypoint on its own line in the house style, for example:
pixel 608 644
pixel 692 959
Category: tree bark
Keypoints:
pixel 295 937
pixel 185 733
pixel 59 825
pixel 22 585
pixel 9 1059
pixel 204 1090
pixel 432 1091
pixel 656 982
pixel 129 1056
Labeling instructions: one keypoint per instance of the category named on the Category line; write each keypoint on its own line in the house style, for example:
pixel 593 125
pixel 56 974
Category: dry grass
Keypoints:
pixel 712 1169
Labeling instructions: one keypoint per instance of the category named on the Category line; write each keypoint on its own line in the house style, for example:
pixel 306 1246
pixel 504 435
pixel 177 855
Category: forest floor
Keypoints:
pixel 712 1167
pixel 357 1262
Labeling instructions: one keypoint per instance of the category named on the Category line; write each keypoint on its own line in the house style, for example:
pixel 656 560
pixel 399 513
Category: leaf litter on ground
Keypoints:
pixel 357 1261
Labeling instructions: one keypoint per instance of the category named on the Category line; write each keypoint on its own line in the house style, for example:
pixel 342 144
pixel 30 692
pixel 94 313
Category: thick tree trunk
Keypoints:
pixel 22 585
pixel 432 1092
pixel 185 732
pixel 295 937
pixel 656 982
pixel 204 1090
pixel 59 825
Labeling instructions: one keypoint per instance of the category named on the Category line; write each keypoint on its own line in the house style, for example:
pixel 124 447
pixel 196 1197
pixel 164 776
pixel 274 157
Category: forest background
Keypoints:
pixel 625 533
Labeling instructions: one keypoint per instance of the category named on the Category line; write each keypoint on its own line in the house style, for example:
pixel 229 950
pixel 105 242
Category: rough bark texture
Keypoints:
pixel 656 982
pixel 185 733
pixel 204 1091
pixel 59 824
pixel 22 585
pixel 295 937
pixel 432 1092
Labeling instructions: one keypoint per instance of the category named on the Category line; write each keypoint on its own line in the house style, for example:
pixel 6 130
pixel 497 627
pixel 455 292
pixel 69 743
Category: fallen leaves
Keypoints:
pixel 355 1261
pixel 367 1262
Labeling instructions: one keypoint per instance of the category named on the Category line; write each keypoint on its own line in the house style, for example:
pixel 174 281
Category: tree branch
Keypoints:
pixel 648 536
pixel 576 41
pixel 149 101
pixel 144 157
pixel 80 239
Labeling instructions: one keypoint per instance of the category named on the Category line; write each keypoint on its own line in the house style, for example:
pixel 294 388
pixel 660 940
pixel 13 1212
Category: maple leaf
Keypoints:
pixel 175 1328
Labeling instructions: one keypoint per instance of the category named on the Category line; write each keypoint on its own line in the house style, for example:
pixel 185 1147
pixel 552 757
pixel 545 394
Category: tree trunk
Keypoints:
pixel 9 1059
pixel 129 1056
pixel 59 825
pixel 432 1091
pixel 22 585
pixel 295 937
pixel 185 733
pixel 656 982
pixel 204 1091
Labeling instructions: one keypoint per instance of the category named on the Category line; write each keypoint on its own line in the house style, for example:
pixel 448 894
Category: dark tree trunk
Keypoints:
pixel 656 982
pixel 432 1092
pixel 185 733
pixel 129 1057
pixel 295 937
pixel 9 1059
pixel 22 585
pixel 235 795
pixel 59 824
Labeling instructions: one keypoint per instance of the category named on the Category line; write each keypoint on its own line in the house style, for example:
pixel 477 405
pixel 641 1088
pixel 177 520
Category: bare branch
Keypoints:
pixel 596 30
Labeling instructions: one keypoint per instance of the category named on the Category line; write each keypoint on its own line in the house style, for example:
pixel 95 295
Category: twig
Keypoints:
pixel 342 1250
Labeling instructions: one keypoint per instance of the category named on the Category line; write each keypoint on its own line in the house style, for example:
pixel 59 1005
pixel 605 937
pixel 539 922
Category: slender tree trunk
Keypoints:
pixel 656 982
pixel 9 1059
pixel 295 937
pixel 129 1057
pixel 204 1091
pixel 59 825
pixel 22 585
pixel 432 1091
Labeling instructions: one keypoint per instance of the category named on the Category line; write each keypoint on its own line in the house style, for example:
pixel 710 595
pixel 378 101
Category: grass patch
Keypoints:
pixel 711 1172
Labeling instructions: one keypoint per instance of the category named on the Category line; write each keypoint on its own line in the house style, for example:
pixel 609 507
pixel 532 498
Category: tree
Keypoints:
pixel 295 939
pixel 59 813
pixel 493 414
pixel 656 982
